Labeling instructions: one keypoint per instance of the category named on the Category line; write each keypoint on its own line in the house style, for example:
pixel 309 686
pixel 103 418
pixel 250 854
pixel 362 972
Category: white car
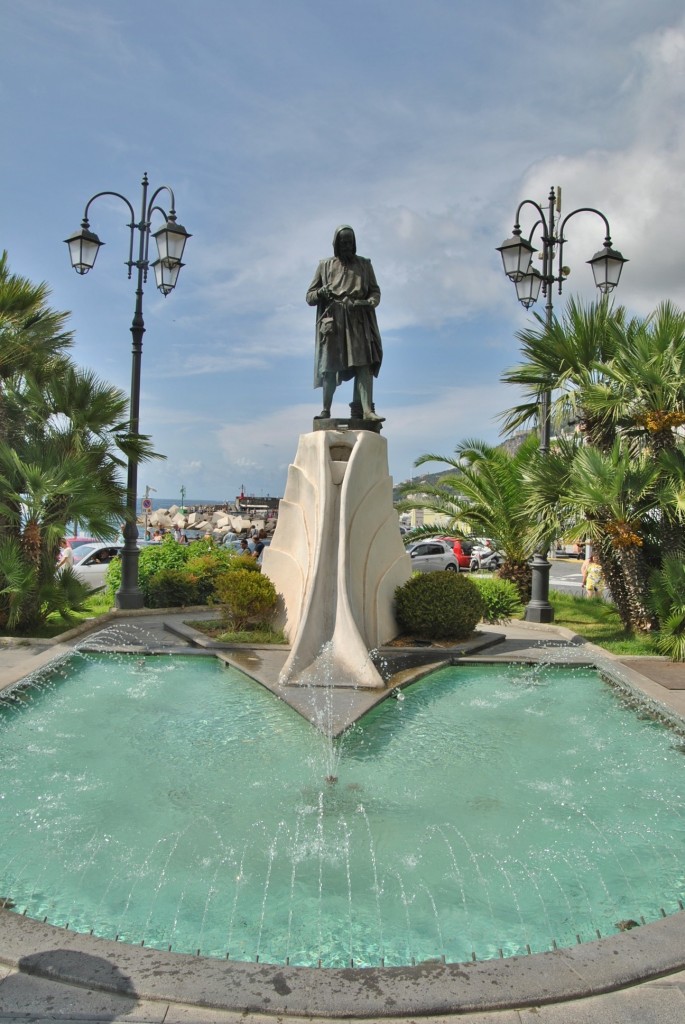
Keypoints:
pixel 91 561
pixel 432 555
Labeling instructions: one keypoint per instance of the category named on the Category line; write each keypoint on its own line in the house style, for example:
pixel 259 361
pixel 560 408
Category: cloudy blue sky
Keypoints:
pixel 422 123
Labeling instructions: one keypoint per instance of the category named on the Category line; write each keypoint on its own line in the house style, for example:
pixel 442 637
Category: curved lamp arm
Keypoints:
pixel 84 244
pixel 606 264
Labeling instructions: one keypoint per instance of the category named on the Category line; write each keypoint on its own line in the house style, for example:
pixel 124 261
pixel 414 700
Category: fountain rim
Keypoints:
pixel 429 988
pixel 432 987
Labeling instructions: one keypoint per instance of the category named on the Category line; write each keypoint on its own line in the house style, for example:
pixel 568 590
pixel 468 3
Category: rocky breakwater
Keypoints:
pixel 217 524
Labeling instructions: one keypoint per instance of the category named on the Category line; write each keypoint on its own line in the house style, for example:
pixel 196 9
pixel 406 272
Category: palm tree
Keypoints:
pixel 642 392
pixel 568 359
pixel 667 600
pixel 37 492
pixel 610 499
pixel 64 438
pixel 87 418
pixel 643 396
pixel 486 492
pixel 33 339
pixel 619 380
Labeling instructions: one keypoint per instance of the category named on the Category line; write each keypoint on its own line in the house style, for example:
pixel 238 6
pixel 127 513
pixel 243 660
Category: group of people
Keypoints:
pixel 158 535
pixel 254 544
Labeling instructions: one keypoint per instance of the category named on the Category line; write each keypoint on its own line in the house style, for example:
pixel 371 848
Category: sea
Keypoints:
pixel 186 503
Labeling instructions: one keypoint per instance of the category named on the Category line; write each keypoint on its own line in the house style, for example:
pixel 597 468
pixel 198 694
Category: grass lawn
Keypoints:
pixel 598 622
pixel 258 635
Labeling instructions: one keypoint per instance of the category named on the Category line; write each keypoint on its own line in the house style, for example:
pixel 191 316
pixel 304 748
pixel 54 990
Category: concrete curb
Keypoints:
pixel 650 951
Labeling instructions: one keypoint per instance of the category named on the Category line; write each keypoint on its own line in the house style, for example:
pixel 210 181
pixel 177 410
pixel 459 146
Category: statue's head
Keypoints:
pixel 344 243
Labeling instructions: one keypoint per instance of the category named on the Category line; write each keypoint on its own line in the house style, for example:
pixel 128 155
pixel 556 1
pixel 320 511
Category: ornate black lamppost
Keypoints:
pixel 517 254
pixel 83 249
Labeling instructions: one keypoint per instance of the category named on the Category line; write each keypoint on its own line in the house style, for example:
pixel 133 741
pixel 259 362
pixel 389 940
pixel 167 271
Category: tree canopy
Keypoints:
pixel 64 438
pixel 615 472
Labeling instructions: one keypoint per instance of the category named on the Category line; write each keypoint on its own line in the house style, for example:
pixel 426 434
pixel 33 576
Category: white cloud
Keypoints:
pixel 635 184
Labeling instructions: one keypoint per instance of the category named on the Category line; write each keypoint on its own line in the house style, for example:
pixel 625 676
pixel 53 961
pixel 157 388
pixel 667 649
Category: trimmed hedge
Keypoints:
pixel 439 606
pixel 246 598
pixel 500 597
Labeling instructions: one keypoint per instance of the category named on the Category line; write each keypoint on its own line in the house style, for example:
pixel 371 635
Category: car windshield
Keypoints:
pixel 83 550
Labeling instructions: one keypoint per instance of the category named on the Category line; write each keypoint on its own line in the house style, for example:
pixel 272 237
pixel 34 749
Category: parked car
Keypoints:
pixel 431 555
pixel 75 542
pixel 91 561
pixel 463 549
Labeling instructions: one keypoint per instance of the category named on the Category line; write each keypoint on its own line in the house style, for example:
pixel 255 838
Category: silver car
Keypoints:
pixel 431 555
pixel 92 560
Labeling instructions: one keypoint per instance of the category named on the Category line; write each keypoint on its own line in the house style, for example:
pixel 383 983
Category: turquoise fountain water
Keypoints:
pixel 489 811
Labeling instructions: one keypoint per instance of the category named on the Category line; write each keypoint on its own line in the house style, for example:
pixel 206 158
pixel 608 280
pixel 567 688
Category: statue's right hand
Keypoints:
pixel 325 293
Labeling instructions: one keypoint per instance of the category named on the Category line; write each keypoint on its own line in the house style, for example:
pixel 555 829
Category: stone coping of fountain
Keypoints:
pixel 649 951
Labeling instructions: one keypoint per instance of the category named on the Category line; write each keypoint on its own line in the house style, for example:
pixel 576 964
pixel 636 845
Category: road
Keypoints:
pixel 566 576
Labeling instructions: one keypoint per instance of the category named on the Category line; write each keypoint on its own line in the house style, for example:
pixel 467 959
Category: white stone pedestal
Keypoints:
pixel 336 559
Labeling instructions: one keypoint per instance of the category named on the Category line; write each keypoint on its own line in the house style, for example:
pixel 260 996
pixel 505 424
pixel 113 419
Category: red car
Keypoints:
pixel 462 551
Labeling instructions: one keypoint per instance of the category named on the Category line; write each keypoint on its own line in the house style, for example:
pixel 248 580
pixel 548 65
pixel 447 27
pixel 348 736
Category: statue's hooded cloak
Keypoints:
pixel 355 339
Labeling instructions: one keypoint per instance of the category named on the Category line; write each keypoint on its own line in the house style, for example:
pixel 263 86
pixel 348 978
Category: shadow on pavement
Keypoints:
pixel 67 983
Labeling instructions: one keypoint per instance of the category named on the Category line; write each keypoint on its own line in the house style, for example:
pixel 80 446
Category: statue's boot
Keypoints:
pixel 364 386
pixel 329 384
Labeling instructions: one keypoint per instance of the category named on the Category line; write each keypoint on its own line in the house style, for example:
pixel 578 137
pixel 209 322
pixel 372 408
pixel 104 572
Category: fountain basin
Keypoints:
pixel 462 877
pixel 623 959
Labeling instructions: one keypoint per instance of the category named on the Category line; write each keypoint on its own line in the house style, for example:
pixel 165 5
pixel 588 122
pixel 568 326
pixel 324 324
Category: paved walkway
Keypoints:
pixel 28 993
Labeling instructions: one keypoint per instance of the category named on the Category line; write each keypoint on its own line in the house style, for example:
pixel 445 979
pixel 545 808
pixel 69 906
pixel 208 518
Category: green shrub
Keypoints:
pixel 247 562
pixel 203 560
pixel 167 555
pixel 667 600
pixel 439 606
pixel 207 567
pixel 246 598
pixel 500 597
pixel 172 588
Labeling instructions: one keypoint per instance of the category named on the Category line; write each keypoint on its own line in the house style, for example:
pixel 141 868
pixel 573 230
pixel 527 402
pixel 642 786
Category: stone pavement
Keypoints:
pixel 119 984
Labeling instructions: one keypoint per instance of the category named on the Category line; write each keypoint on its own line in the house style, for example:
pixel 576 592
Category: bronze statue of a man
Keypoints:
pixel 348 342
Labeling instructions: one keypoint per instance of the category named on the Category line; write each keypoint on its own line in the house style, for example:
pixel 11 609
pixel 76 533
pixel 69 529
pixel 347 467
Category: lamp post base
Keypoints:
pixel 129 596
pixel 539 609
pixel 130 601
